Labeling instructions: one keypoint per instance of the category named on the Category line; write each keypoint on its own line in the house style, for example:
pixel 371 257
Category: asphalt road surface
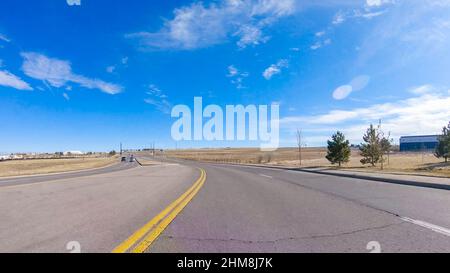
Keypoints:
pixel 74 174
pixel 237 209
pixel 249 209
pixel 97 211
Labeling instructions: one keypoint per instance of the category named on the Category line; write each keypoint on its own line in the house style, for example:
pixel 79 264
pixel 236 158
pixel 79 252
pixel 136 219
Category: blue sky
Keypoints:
pixel 86 75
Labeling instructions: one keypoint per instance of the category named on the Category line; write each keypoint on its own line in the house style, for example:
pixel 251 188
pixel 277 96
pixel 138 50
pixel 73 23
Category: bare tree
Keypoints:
pixel 299 144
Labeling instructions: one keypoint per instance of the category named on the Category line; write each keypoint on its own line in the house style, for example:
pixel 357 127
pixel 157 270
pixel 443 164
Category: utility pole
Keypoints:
pixel 120 148
pixel 299 143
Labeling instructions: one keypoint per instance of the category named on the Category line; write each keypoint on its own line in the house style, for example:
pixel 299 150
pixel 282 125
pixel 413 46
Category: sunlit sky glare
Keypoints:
pixel 89 74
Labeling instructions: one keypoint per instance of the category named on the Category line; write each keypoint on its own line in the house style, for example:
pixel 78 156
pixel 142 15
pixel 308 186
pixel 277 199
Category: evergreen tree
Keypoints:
pixel 443 147
pixel 371 150
pixel 338 149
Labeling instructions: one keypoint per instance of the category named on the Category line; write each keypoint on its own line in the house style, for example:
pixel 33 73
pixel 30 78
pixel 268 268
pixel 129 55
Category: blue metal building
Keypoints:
pixel 418 143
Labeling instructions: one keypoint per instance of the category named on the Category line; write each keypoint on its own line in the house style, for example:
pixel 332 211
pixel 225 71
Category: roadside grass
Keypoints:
pixel 47 166
pixel 409 163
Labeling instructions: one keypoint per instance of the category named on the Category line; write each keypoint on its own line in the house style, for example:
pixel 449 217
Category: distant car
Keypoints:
pixel 124 159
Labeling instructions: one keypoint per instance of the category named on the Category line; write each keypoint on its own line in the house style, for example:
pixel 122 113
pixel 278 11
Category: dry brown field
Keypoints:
pixel 47 166
pixel 412 163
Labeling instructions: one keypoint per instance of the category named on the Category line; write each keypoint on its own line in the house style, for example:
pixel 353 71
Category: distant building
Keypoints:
pixel 5 157
pixel 73 153
pixel 418 143
pixel 18 156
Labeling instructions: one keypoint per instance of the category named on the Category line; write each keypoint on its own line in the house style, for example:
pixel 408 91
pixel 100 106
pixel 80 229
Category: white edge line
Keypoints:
pixel 435 228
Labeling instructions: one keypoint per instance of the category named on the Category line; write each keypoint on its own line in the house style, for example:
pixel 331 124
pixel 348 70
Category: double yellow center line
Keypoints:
pixel 142 239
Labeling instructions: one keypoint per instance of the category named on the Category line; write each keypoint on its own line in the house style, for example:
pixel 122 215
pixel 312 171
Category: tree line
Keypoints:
pixel 375 146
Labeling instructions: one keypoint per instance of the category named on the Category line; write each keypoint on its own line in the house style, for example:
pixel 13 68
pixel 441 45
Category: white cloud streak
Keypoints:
pixel 199 25
pixel 4 38
pixel 377 3
pixel 58 73
pixel 158 99
pixel 422 114
pixel 423 89
pixel 371 9
pixel 10 80
pixel 414 29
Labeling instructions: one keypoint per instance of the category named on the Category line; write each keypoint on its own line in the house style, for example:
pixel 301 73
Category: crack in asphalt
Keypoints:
pixel 280 239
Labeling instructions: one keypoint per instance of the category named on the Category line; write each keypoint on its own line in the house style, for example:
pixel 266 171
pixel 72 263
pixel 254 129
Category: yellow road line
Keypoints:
pixel 172 210
pixel 153 235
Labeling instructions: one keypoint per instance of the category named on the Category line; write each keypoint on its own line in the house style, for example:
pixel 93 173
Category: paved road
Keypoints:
pixel 99 210
pixel 238 209
pixel 243 209
pixel 5 181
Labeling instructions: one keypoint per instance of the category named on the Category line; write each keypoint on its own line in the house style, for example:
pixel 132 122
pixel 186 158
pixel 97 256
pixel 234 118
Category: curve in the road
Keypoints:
pixel 33 179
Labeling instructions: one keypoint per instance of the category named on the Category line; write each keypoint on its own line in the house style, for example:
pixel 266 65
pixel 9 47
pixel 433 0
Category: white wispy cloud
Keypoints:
pixel 316 46
pixel 422 114
pixel 370 15
pixel 275 69
pixel 110 69
pixel 371 9
pixel 158 99
pixel 377 3
pixel 199 25
pixel 339 18
pixel 412 29
pixel 356 84
pixel 237 76
pixel 66 96
pixel 123 63
pixel 423 89
pixel 4 38
pixel 320 44
pixel 232 71
pixel 320 33
pixel 58 73
pixel 10 80
pixel 73 2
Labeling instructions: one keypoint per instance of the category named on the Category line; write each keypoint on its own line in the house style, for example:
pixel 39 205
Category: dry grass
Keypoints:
pixel 46 166
pixel 414 163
